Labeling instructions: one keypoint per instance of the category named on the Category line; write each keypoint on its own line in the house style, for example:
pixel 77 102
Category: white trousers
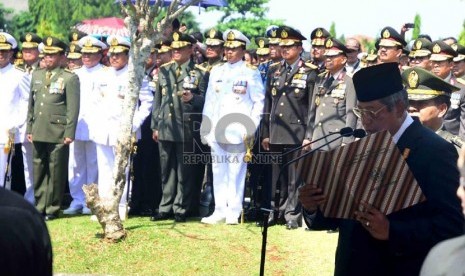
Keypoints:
pixel 106 163
pixel 82 170
pixel 229 170
pixel 3 163
pixel 26 149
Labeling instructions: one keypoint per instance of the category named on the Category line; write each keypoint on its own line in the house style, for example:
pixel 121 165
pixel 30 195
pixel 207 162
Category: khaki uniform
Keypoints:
pixel 331 109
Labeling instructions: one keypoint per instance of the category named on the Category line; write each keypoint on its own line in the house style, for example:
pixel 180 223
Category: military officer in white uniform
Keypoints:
pixel 15 87
pixel 232 111
pixel 30 49
pixel 82 166
pixel 109 105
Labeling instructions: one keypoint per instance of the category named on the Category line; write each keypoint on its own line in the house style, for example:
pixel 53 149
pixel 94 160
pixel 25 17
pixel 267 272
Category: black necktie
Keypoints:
pixel 288 71
pixel 328 82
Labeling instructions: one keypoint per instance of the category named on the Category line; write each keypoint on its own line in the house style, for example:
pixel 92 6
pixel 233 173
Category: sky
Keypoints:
pixel 439 18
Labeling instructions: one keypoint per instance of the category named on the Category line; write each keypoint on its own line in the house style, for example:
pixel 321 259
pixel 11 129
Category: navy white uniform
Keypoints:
pixel 82 166
pixel 15 88
pixel 106 126
pixel 13 105
pixel 233 106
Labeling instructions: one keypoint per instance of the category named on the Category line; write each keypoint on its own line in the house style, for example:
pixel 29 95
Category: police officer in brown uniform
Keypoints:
pixel 419 56
pixel 288 95
pixel 333 99
pixel 51 126
pixel 390 45
pixel 318 37
pixel 459 63
pixel 442 61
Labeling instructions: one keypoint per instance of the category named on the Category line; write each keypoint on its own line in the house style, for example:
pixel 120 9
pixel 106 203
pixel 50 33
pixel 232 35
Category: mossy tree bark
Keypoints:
pixel 139 20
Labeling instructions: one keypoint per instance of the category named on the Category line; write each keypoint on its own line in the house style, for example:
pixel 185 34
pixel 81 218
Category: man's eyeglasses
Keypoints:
pixel 367 113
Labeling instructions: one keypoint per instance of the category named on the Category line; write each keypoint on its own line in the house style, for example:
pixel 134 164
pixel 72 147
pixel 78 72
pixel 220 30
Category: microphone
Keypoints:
pixel 344 132
pixel 357 133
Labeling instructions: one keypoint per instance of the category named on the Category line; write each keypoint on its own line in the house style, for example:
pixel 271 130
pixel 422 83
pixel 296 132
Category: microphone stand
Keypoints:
pixel 266 214
pixel 277 195
pixel 278 191
pixel 349 129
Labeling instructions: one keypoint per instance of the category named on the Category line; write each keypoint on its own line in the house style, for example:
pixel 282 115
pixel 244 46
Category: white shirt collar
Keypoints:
pixel 293 65
pixel 336 75
pixel 407 122
pixel 6 68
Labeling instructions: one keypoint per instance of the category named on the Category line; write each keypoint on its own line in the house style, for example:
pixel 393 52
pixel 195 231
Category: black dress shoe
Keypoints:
pixel 292 224
pixel 160 216
pixel 332 231
pixel 179 218
pixel 50 217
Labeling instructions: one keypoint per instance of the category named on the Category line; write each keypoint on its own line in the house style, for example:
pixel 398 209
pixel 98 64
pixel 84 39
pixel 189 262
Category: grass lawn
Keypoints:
pixel 192 248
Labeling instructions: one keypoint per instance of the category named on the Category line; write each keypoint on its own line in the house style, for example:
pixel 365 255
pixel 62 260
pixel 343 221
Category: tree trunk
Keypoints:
pixel 140 21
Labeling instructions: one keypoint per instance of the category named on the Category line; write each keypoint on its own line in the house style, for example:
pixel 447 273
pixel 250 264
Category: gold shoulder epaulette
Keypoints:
pixel 462 81
pixel 22 69
pixel 217 64
pixel 200 67
pixel 311 65
pixel 251 66
pixel 322 74
pixel 275 64
pixel 167 64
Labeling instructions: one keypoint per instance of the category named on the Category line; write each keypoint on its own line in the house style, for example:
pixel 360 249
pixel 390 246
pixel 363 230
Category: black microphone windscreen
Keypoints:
pixel 346 131
pixel 359 133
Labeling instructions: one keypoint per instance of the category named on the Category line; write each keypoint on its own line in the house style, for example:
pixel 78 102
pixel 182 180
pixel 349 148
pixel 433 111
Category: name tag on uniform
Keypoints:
pixel 240 87
pixel 57 87
pixel 299 81
pixel 338 93
pixel 455 100
pixel 121 91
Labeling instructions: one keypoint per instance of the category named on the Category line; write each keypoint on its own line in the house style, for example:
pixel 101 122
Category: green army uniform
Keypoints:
pixel 30 41
pixel 175 122
pixel 52 116
pixel 423 86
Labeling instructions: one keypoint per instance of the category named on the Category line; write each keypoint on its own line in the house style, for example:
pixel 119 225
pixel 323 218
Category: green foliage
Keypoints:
pixel 22 23
pixel 417 29
pixel 192 248
pixel 332 29
pixel 246 16
pixel 3 13
pixel 461 38
pixel 50 22
pixel 368 45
